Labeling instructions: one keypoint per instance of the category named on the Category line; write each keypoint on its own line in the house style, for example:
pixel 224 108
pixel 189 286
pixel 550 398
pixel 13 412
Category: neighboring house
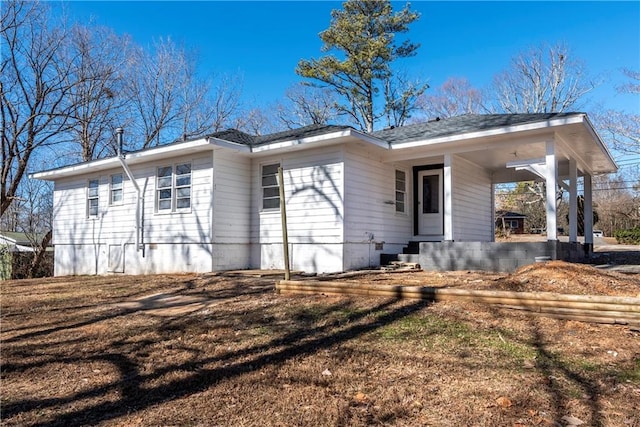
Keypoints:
pixel 17 252
pixel 511 221
pixel 18 242
pixel 212 203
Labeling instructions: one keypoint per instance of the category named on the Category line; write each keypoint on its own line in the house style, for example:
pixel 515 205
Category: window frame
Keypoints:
pixel 172 185
pixel 179 186
pixel 269 187
pixel 113 189
pixel 400 192
pixel 90 197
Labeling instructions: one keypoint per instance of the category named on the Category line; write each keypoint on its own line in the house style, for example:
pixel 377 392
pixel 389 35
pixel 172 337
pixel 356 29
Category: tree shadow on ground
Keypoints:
pixel 559 374
pixel 303 337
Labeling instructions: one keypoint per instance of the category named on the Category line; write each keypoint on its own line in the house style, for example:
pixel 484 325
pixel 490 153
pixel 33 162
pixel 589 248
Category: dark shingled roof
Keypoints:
pixel 508 214
pixel 234 135
pixel 304 132
pixel 460 125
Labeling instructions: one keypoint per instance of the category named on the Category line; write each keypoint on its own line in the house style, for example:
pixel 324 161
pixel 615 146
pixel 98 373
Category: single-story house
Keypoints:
pixel 352 198
pixel 511 221
pixel 16 255
pixel 14 241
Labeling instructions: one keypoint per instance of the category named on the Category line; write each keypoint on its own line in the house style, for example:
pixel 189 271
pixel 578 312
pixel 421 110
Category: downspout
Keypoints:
pixel 140 198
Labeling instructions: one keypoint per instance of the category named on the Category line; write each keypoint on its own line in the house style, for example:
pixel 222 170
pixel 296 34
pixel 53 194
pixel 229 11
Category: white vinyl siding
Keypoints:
pixel 93 198
pixel 173 243
pixel 231 210
pixel 369 200
pixel 270 189
pixel 313 183
pixel 116 189
pixel 472 209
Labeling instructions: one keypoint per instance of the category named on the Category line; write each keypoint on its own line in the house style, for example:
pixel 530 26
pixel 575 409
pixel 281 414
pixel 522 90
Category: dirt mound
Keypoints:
pixel 567 278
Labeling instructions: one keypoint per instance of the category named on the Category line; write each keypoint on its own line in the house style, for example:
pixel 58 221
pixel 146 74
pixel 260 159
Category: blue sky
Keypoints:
pixel 263 41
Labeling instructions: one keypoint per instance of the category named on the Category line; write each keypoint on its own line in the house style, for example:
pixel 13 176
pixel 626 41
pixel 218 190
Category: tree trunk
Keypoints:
pixel 39 255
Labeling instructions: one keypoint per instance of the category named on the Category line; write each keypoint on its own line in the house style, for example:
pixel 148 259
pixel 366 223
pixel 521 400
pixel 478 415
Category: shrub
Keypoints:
pixel 629 237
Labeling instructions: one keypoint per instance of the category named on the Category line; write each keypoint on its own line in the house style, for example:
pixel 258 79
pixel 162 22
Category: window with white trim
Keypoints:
pixel 183 186
pixel 401 191
pixel 173 188
pixel 116 193
pixel 270 189
pixel 93 190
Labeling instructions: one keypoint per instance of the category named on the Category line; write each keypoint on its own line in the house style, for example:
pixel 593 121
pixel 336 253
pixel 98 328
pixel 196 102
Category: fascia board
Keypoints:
pixel 491 132
pixel 156 153
pixel 168 151
pixel 9 240
pixel 320 138
pixel 230 145
pixel 78 169
pixel 599 142
pixel 371 139
pixel 296 142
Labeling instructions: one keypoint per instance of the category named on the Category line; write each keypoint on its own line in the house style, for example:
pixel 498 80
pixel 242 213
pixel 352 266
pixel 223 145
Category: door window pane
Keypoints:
pixel 401 189
pixel 430 194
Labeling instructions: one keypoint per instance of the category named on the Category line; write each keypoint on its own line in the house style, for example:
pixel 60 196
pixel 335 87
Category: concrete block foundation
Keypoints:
pixel 495 256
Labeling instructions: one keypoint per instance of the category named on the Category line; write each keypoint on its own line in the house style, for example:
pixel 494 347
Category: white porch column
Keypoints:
pixel 551 180
pixel 573 200
pixel 588 212
pixel 448 199
pixel 493 212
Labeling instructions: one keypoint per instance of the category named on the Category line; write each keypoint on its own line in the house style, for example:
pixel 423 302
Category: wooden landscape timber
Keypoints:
pixel 586 308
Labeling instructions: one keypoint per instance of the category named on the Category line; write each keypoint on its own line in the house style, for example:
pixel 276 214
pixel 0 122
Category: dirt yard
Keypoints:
pixel 225 349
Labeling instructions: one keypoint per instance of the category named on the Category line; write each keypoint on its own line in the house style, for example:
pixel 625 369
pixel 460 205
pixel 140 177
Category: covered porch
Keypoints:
pixel 560 151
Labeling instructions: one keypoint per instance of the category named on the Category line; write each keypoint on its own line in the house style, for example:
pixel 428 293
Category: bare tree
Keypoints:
pixel 225 101
pixel 256 121
pixel 617 203
pixel 544 79
pixel 169 101
pixel 401 94
pixel 33 90
pixel 305 105
pixel 620 128
pixel 156 83
pixel 97 99
pixel 455 97
pixel 35 212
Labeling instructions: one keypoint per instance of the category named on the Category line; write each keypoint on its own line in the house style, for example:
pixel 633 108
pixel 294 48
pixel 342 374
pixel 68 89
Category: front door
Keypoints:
pixel 430 202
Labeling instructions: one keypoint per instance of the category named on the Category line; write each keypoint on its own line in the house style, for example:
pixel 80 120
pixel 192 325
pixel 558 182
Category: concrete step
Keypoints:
pixel 401 266
pixel 409 258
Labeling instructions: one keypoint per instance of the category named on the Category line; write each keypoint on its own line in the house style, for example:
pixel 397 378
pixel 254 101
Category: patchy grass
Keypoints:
pixel 212 349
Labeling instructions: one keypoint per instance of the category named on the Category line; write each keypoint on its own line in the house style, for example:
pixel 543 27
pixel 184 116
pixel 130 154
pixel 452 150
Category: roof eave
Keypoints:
pixel 223 143
pixel 156 153
pixel 603 147
pixel 319 139
pixel 503 130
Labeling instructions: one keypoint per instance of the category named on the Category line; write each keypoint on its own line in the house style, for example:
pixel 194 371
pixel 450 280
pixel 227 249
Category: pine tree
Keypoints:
pixel 364 35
